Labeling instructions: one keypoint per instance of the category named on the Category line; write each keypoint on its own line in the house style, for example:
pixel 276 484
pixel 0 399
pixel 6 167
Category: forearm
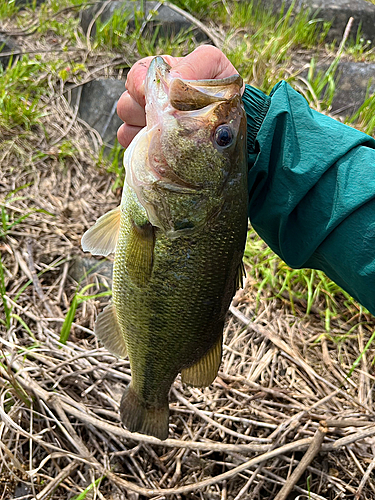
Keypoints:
pixel 312 189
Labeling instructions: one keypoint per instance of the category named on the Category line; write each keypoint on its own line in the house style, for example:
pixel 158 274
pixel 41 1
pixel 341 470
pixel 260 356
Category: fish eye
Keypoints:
pixel 223 136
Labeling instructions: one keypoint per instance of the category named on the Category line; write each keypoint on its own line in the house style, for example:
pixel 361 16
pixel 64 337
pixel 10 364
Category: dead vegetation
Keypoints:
pixel 291 409
pixel 278 394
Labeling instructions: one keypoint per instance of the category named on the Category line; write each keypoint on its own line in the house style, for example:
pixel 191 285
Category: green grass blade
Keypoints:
pixel 69 318
pixel 357 361
pixel 84 493
pixel 21 321
pixel 7 309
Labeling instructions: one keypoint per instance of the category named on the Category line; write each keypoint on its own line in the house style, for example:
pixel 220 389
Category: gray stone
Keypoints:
pixel 7 45
pixel 97 106
pixel 22 490
pixel 352 81
pixel 168 20
pixel 338 12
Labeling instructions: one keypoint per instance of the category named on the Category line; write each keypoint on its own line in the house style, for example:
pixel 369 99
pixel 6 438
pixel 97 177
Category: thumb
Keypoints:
pixel 205 62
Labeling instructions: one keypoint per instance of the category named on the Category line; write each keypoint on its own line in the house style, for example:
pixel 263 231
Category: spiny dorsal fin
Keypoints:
pixel 108 331
pixel 140 253
pixel 101 238
pixel 241 275
pixel 203 373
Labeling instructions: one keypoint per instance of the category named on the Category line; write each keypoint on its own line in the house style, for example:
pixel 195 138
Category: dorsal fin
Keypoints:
pixel 203 373
pixel 109 333
pixel 101 238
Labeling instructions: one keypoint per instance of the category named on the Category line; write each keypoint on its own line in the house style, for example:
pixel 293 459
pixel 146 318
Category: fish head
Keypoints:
pixel 191 156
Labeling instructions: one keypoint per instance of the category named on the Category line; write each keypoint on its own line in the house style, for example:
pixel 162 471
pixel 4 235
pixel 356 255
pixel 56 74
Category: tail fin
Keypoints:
pixel 137 417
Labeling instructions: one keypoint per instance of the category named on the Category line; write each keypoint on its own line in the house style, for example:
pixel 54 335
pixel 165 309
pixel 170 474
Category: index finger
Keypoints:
pixel 135 81
pixel 204 63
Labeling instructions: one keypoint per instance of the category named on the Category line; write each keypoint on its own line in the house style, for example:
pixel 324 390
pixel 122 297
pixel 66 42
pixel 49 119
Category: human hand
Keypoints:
pixel 205 62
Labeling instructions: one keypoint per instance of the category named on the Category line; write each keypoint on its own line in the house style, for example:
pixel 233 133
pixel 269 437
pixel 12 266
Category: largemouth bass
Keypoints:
pixel 178 237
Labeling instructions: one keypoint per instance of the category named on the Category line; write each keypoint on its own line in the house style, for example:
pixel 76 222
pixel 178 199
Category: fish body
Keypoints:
pixel 178 237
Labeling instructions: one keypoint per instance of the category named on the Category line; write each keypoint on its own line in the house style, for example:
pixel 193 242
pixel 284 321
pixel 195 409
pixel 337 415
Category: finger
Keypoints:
pixel 126 134
pixel 205 62
pixel 135 82
pixel 130 111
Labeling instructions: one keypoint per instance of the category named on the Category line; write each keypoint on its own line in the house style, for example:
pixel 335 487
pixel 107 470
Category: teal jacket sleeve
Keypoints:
pixel 312 189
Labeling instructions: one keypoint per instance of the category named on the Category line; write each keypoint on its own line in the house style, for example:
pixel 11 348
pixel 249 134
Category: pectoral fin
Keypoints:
pixel 140 253
pixel 101 238
pixel 108 331
pixel 203 373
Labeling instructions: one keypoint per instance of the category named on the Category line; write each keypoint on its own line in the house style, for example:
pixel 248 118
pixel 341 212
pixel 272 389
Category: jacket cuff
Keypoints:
pixel 256 104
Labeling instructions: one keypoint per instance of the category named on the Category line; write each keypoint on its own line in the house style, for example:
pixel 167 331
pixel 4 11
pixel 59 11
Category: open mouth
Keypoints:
pixel 185 95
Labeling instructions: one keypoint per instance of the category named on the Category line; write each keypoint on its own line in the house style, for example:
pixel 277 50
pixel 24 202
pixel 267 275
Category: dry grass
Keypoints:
pixel 283 387
pixel 60 424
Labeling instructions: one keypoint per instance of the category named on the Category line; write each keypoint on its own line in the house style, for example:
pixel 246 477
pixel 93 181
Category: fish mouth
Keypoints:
pixel 162 89
pixel 158 80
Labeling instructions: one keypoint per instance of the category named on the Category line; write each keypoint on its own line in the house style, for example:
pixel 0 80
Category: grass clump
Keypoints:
pixel 306 291
pixel 127 30
pixel 8 219
pixel 200 8
pixel 112 162
pixel 365 115
pixel 112 33
pixel 265 49
pixel 20 91
pixel 78 298
pixel 60 19
pixel 8 8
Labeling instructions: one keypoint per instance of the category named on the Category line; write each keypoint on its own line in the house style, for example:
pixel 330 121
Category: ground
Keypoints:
pixel 297 371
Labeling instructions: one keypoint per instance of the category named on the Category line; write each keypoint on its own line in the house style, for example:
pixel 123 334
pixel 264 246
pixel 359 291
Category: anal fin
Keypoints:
pixel 109 333
pixel 203 373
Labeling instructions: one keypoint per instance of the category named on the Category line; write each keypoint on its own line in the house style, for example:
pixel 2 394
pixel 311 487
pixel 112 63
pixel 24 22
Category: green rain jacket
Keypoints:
pixel 312 189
